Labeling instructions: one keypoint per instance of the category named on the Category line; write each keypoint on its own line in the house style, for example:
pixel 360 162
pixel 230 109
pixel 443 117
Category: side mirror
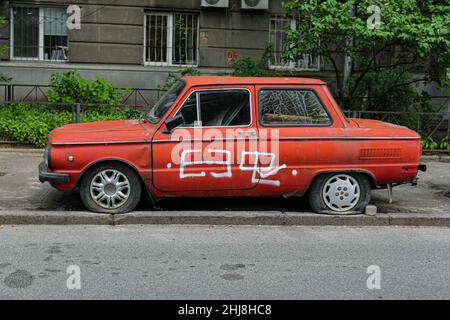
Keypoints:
pixel 174 122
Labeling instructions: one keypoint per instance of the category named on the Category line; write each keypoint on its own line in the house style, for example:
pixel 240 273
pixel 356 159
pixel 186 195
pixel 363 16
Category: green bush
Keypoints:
pixel 428 143
pixel 445 143
pixel 379 91
pixel 173 77
pixel 247 67
pixel 33 123
pixel 70 87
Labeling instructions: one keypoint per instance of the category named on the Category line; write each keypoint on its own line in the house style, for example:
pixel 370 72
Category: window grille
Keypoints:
pixel 277 36
pixel 171 39
pixel 39 33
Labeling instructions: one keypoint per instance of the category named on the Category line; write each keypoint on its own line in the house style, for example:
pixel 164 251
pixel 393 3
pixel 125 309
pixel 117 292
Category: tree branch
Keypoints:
pixel 414 60
pixel 363 74
pixel 408 83
pixel 338 79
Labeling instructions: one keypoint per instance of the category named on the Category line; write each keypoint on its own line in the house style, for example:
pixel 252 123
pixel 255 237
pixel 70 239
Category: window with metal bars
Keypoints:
pixel 39 33
pixel 171 39
pixel 277 36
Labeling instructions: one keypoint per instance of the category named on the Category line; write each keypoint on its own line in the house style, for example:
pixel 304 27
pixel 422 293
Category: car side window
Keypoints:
pixel 217 108
pixel 292 107
pixel 189 111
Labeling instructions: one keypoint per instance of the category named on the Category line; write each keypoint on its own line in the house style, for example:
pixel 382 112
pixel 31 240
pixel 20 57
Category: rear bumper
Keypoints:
pixel 44 175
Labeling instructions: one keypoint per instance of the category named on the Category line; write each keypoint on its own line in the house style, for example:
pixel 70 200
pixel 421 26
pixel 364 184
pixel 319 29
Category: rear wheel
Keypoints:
pixel 340 193
pixel 110 188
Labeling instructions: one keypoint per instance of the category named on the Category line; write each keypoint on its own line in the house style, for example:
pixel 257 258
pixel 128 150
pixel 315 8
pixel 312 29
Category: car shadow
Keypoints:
pixel 230 204
pixel 70 201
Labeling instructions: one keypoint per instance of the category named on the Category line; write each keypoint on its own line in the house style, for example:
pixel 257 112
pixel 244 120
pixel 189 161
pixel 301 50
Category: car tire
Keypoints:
pixel 339 193
pixel 112 188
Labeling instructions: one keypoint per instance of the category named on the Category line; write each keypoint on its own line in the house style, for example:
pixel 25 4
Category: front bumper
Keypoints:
pixel 44 175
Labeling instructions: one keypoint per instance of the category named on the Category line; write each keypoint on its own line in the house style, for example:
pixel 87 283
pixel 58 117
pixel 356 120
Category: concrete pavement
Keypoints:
pixel 201 262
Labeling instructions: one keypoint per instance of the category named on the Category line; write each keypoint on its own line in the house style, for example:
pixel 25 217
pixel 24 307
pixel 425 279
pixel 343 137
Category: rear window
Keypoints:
pixel 291 107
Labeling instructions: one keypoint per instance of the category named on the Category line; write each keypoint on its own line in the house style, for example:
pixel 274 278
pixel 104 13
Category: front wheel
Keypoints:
pixel 340 193
pixel 110 188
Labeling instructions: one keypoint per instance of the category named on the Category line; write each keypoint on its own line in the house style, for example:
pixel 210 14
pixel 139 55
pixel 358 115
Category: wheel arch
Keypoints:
pixel 115 160
pixel 368 174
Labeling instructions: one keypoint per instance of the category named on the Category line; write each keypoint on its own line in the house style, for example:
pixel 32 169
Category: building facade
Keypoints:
pixel 137 43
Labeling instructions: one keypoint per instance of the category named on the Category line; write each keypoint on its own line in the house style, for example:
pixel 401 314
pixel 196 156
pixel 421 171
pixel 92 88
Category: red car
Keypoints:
pixel 229 136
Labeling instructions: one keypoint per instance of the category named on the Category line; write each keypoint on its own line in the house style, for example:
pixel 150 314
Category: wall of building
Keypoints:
pixel 114 33
pixel 4 29
pixel 111 40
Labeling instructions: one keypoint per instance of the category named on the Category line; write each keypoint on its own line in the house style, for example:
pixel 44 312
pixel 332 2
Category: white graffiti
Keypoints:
pixel 262 172
pixel 185 163
pixel 259 174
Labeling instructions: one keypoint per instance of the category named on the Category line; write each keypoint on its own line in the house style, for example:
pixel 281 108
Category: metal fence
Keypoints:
pixel 428 124
pixel 435 123
pixel 79 112
pixel 137 98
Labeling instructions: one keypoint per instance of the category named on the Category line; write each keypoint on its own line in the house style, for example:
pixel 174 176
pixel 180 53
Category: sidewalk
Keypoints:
pixel 24 200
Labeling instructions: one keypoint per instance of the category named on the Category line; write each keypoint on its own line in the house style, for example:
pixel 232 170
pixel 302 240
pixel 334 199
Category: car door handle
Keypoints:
pixel 247 132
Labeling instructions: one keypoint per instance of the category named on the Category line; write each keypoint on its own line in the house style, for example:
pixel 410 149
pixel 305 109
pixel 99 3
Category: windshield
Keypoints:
pixel 165 102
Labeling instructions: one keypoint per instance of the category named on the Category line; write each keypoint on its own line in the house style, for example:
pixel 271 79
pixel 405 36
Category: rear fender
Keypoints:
pixel 368 174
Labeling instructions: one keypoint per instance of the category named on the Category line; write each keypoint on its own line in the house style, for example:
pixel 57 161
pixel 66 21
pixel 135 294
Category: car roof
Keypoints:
pixel 227 80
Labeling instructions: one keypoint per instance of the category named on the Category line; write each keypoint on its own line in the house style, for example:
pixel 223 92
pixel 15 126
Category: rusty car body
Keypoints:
pixel 215 136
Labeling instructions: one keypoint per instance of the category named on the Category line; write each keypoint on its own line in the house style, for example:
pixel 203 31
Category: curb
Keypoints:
pixel 201 217
pixel 21 150
pixel 439 158
pixel 53 218
pixel 313 219
pixel 16 144
pixel 272 218
pixel 417 219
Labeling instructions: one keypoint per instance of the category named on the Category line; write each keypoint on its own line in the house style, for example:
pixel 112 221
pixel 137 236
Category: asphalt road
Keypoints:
pixel 21 190
pixel 200 262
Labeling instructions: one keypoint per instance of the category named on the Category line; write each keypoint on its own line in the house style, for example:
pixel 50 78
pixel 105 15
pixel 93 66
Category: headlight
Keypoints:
pixel 47 158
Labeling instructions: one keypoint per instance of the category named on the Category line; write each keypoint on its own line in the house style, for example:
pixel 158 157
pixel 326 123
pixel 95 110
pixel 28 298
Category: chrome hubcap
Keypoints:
pixel 341 193
pixel 110 189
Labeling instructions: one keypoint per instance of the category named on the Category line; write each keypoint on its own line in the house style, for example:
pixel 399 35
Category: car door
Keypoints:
pixel 298 129
pixel 209 151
